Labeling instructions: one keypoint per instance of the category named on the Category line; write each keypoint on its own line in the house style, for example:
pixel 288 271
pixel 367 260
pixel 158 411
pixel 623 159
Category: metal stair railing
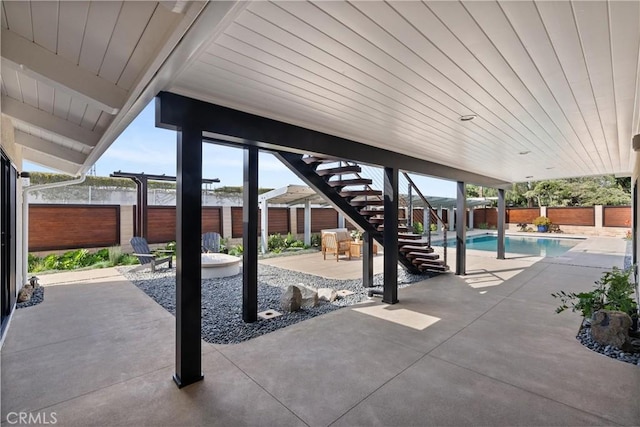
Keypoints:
pixel 432 216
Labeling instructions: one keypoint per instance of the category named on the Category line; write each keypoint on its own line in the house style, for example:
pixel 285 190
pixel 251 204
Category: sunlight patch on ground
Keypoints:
pixel 401 316
pixel 481 278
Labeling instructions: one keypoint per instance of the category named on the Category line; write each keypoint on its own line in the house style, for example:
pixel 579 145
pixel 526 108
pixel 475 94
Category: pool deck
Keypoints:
pixel 481 349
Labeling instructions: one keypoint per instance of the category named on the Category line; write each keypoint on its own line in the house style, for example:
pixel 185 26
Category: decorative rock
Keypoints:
pixel 327 294
pixel 309 296
pixel 33 281
pixel 291 299
pixel 25 294
pixel 610 328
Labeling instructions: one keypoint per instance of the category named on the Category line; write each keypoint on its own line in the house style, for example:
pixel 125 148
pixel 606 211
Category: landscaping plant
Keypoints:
pixel 612 292
pixel 418 228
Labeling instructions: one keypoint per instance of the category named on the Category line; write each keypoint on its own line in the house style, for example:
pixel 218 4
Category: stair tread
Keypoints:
pixel 349 182
pixel 416 248
pixel 372 212
pixel 356 193
pixel 434 268
pixel 371 202
pixel 338 170
pixel 316 159
pixel 422 255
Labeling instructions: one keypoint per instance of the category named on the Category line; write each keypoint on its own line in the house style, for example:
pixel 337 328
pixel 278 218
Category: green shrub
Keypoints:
pixel 433 227
pixel 80 258
pixel 276 243
pixel 290 240
pixel 316 240
pixel 542 220
pixel 224 245
pixel 115 253
pixel 236 250
pixel 612 292
pixel 418 228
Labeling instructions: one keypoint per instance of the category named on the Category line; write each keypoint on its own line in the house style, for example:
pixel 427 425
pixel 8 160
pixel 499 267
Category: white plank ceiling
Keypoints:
pixel 554 85
pixel 70 67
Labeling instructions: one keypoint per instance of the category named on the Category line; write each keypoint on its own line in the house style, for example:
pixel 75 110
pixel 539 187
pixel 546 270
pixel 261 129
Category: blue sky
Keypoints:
pixel 144 148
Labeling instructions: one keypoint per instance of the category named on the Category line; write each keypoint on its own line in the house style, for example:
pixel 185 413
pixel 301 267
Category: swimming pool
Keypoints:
pixel 536 246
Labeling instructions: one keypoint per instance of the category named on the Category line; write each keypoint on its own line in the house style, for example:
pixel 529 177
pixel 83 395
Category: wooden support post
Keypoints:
pixel 250 236
pixel 390 236
pixel 188 248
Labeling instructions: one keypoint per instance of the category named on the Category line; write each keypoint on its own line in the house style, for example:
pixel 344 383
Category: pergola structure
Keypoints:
pixel 142 188
pixel 289 195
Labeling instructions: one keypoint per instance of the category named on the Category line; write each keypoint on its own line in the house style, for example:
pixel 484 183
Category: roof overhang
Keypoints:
pixel 554 87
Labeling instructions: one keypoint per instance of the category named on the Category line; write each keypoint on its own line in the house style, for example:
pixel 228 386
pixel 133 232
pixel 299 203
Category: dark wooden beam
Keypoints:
pixel 250 236
pixel 390 236
pixel 502 215
pixel 188 248
pixel 222 124
pixel 367 260
pixel 461 229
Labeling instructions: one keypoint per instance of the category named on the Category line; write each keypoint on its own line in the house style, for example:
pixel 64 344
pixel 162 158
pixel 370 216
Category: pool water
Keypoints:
pixel 540 246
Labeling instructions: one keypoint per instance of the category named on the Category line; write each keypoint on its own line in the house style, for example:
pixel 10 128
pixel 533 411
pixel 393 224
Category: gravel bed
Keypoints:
pixel 36 298
pixel 222 299
pixel 584 336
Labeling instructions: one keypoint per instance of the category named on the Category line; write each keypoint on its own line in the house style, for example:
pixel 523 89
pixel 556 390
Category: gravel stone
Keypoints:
pixel 585 338
pixel 222 298
pixel 36 298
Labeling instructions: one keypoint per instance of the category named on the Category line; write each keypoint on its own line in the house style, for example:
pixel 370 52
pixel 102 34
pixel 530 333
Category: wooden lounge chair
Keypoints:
pixel 211 242
pixel 336 242
pixel 142 251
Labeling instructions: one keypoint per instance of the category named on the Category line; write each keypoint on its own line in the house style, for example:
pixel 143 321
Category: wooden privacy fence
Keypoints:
pixel 612 216
pixel 616 216
pixel 278 219
pixel 53 227
pixel 572 216
pixel 161 224
pixel 58 227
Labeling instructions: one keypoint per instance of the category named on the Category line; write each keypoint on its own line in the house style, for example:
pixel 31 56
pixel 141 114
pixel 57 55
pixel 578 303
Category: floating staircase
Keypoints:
pixel 341 183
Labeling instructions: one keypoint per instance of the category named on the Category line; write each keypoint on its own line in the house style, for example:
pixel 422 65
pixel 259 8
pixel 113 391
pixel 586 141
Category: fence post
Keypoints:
pixel 227 229
pixel 126 227
pixel 598 218
pixel 293 221
pixel 470 225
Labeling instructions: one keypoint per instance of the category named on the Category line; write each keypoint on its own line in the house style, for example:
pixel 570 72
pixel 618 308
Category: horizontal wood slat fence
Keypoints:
pixel 161 224
pixel 53 227
pixel 58 227
pixel 616 216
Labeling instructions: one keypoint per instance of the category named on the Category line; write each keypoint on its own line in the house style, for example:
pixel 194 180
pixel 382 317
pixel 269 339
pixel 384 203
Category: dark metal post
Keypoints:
pixel 410 216
pixel 502 216
pixel 188 275
pixel 250 236
pixel 142 187
pixel 390 236
pixel 461 229
pixel 367 259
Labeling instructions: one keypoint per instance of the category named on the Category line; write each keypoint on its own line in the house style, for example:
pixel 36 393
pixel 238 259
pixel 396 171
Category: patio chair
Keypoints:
pixel 211 242
pixel 142 251
pixel 336 242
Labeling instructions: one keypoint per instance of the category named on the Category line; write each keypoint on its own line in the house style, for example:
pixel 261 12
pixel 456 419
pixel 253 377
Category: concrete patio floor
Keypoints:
pixel 480 349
